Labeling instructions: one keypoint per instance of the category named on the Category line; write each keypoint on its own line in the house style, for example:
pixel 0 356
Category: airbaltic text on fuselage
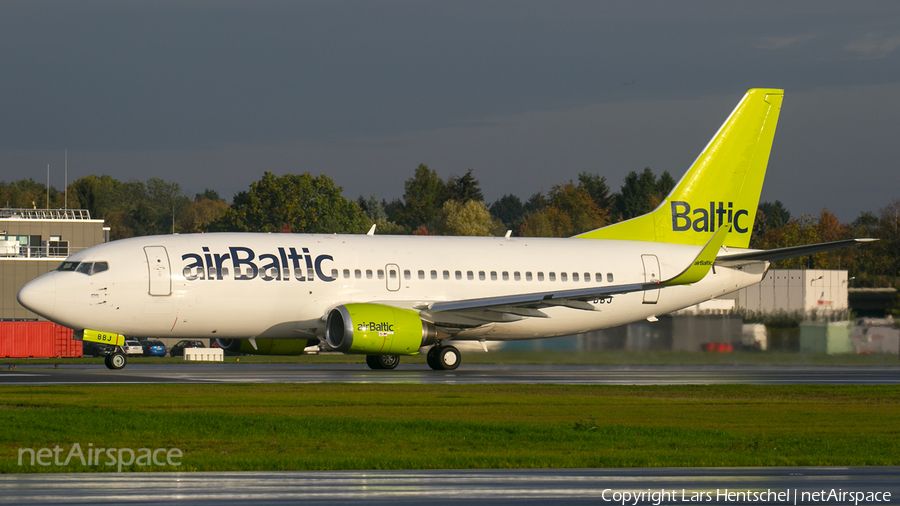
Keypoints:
pixel 708 220
pixel 283 265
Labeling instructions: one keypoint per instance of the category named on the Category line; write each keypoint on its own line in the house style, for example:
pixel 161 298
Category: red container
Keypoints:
pixel 37 340
pixel 718 347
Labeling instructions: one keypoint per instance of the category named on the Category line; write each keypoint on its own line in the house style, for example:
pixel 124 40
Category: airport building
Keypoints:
pixel 34 242
pixel 810 292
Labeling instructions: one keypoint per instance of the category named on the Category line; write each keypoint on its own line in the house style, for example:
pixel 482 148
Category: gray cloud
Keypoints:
pixel 873 46
pixel 528 94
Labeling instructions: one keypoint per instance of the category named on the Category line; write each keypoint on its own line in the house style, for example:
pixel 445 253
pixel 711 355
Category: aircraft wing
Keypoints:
pixel 529 304
pixel 773 255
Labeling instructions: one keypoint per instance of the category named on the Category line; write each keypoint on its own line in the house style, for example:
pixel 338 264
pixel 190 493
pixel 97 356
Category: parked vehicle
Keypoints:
pixel 178 349
pixel 133 347
pixel 153 348
pixel 89 348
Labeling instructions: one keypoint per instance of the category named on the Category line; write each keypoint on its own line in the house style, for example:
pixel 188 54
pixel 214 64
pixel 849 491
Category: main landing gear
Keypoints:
pixel 439 358
pixel 382 361
pixel 116 360
pixel 443 358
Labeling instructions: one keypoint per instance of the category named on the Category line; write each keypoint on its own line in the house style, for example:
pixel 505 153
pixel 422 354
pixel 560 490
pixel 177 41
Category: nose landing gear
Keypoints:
pixel 116 360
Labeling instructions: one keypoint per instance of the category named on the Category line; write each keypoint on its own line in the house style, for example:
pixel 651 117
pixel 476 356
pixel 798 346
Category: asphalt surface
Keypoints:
pixel 466 374
pixel 521 487
pixel 697 486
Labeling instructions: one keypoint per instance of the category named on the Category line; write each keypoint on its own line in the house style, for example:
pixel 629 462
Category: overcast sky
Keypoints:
pixel 526 94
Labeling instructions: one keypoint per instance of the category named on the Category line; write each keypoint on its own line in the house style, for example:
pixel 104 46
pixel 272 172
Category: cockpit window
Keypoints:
pixel 89 268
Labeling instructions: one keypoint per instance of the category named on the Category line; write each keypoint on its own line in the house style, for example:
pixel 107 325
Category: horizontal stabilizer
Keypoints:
pixel 774 255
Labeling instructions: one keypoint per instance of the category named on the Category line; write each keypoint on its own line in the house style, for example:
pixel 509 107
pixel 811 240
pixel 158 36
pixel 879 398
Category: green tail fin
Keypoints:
pixel 722 187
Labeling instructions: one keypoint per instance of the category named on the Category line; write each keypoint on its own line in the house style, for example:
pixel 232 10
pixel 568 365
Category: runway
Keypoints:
pixel 728 486
pixel 467 374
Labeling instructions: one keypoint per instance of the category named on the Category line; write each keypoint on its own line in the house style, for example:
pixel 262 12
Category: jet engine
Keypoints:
pixel 374 329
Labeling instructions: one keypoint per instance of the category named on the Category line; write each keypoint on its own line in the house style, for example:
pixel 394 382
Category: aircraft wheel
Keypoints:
pixel 432 358
pixel 116 360
pixel 447 358
pixel 382 361
pixel 389 361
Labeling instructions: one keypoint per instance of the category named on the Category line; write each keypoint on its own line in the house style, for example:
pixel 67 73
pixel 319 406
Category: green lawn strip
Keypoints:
pixel 532 358
pixel 335 426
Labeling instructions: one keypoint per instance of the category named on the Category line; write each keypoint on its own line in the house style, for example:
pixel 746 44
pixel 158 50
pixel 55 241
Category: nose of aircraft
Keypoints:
pixel 39 295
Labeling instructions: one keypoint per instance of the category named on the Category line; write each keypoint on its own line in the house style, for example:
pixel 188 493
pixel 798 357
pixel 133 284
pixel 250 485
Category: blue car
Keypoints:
pixel 153 348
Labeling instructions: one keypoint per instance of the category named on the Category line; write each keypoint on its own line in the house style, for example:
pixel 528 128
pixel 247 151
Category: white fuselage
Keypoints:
pixel 283 285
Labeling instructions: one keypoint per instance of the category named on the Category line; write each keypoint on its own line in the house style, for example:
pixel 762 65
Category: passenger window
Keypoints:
pixel 433 274
pixel 380 274
pixel 574 276
pixel 346 273
pixel 587 276
pixel 599 277
pixel 368 273
pixel 99 267
pixel 84 268
pixel 392 273
pixel 481 275
pixel 493 275
pixel 609 277
pixel 552 276
pixel 446 274
pixel 540 276
pixel 505 276
pixel 406 274
pixel 517 276
pixel 358 274
pixel 527 275
pixel 458 274
pixel 421 274
pixel 334 273
pixel 563 276
pixel 311 274
pixel 470 275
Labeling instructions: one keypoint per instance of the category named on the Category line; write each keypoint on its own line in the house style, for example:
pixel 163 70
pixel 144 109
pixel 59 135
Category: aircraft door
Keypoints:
pixel 393 277
pixel 651 274
pixel 160 272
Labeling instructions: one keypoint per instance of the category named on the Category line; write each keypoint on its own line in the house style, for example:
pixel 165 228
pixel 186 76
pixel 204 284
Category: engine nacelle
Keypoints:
pixel 266 346
pixel 374 329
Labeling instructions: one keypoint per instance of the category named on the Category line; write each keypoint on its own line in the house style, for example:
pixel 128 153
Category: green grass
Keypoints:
pixel 339 426
pixel 543 357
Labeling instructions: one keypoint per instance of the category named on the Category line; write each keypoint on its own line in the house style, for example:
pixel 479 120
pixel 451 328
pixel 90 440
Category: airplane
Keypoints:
pixel 389 296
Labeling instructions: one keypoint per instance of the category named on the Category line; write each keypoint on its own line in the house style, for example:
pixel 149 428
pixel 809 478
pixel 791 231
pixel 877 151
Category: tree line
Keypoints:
pixel 431 206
